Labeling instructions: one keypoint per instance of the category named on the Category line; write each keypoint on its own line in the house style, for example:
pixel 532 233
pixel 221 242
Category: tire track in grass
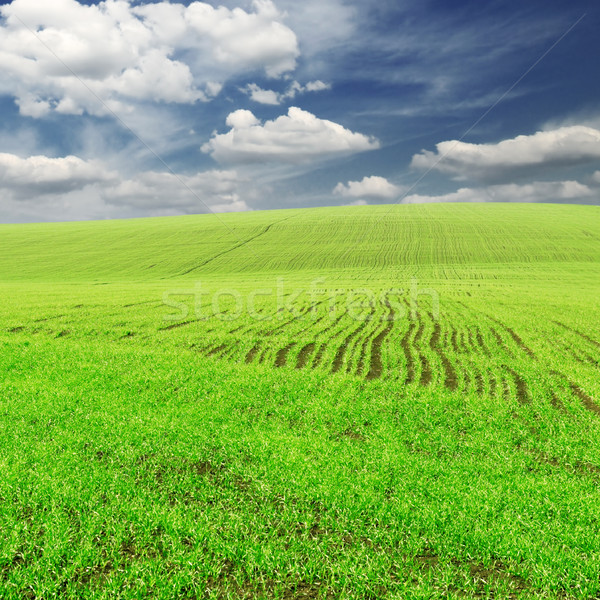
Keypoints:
pixel 454 341
pixel 575 356
pixel 497 575
pixel 481 342
pixel 479 384
pixel 281 358
pixel 520 343
pixel 304 355
pixel 425 377
pixel 376 364
pixel 217 350
pixel 319 355
pixel 263 355
pixel 590 360
pixel 450 377
pixel 410 361
pixel 516 338
pixel 308 349
pixel 157 302
pixel 43 320
pixel 581 335
pixel 470 340
pixel 331 325
pixel 587 401
pixel 511 332
pixel 521 388
pixel 338 360
pixel 557 403
pixel 555 399
pixel 506 392
pixel 323 347
pixel 577 467
pixel 251 355
pixel 229 353
pixel 177 325
pixel 585 359
pixel 235 247
pixel 363 355
pixel 17 329
pixel 296 318
pixel 500 342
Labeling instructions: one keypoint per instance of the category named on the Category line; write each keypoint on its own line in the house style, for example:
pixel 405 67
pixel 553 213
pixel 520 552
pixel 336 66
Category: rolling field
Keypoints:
pixel 366 402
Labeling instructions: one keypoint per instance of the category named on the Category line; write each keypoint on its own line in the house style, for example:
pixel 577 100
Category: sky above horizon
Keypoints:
pixel 120 109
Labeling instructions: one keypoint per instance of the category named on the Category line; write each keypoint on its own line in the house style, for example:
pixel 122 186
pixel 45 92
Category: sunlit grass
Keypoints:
pixel 303 452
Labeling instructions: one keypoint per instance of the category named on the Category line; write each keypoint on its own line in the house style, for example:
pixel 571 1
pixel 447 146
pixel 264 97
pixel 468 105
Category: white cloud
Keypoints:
pixel 317 86
pixel 257 94
pixel 524 154
pixel 214 190
pixel 241 119
pixel 369 187
pixel 298 137
pixel 539 191
pixel 159 52
pixel 59 187
pixel 28 178
pixel 596 177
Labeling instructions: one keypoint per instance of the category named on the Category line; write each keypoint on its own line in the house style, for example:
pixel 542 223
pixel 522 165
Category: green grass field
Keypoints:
pixel 367 402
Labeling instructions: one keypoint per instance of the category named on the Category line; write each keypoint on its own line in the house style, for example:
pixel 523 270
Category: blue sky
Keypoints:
pixel 126 109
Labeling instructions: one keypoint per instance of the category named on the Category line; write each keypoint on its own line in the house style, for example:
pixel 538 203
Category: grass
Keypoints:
pixel 322 445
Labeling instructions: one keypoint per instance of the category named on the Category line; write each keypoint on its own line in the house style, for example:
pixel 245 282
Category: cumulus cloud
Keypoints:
pixel 53 54
pixel 369 187
pixel 73 183
pixel 29 178
pixel 216 191
pixel 539 191
pixel 257 94
pixel 523 155
pixel 296 137
pixel 596 177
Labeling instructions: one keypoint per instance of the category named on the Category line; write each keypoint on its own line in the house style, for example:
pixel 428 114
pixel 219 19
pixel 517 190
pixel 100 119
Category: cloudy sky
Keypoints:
pixel 142 108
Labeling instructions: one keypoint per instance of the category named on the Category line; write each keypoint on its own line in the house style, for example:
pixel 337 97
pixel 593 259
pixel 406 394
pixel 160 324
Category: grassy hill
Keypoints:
pixel 446 240
pixel 366 402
